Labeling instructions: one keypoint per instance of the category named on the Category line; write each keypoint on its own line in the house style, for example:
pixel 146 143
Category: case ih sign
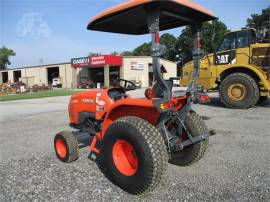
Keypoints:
pixel 97 61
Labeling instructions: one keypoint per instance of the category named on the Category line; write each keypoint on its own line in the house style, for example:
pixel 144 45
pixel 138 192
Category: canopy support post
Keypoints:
pixel 197 53
pixel 153 14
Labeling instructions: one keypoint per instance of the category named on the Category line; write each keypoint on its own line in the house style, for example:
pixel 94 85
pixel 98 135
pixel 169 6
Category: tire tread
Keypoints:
pixel 72 146
pixel 156 148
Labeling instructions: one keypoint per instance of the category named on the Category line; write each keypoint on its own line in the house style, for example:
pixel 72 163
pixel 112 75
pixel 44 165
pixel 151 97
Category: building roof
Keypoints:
pixel 36 66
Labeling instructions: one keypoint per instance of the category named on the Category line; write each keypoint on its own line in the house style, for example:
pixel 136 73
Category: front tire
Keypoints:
pixel 66 147
pixel 239 90
pixel 134 155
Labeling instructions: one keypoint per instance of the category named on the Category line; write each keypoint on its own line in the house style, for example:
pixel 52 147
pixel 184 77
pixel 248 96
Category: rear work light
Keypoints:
pixel 166 105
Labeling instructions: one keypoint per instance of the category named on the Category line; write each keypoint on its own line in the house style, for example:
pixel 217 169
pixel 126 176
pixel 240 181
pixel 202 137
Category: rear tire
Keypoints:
pixel 66 146
pixel 239 90
pixel 193 153
pixel 149 149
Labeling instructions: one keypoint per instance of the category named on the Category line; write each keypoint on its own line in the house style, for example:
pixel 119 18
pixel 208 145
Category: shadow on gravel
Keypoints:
pixel 215 102
pixel 205 117
pixel 265 104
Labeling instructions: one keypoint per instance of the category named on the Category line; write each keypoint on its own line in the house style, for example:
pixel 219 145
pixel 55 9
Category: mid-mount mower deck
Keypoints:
pixel 132 140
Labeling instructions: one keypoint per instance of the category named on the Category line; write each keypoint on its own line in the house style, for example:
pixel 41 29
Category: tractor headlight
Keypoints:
pixel 74 101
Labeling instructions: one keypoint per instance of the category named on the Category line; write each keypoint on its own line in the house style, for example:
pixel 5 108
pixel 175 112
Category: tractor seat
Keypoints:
pixel 117 94
pixel 176 92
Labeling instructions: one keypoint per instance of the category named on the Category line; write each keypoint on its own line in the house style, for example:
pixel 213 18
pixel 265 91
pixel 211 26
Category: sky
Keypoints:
pixel 54 31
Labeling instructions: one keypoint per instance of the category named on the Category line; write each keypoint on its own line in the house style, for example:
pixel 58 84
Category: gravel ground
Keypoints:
pixel 235 168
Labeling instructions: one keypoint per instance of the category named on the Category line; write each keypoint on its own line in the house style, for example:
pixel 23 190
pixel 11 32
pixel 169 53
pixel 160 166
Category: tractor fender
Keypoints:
pixel 142 108
pixel 253 71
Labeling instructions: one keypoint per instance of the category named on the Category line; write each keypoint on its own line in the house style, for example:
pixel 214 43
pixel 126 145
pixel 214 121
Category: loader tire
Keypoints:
pixel 192 154
pixel 66 146
pixel 239 91
pixel 133 155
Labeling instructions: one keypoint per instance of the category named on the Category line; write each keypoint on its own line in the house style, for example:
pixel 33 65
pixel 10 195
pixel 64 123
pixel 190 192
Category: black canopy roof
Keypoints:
pixel 130 17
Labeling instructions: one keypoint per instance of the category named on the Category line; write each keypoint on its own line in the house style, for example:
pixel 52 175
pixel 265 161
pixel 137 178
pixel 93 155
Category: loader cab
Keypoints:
pixel 238 39
pixel 226 52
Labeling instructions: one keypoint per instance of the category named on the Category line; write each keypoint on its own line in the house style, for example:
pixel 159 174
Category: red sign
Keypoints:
pixel 97 61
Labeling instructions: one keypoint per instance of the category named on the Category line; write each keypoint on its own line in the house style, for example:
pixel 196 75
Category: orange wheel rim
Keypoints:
pixel 61 148
pixel 125 158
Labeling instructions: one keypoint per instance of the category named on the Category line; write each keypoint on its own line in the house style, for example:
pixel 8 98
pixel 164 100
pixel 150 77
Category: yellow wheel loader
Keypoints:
pixel 239 68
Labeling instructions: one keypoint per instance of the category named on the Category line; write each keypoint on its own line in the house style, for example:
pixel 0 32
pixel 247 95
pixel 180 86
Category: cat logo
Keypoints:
pixel 223 59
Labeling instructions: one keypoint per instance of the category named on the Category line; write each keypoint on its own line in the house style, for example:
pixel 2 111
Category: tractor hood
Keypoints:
pixel 130 17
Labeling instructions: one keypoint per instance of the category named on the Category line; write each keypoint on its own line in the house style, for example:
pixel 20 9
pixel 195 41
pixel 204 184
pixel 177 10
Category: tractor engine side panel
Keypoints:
pixel 88 102
pixel 79 105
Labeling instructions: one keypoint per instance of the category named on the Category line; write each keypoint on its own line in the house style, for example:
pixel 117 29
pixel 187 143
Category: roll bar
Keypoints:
pixel 153 14
pixel 150 16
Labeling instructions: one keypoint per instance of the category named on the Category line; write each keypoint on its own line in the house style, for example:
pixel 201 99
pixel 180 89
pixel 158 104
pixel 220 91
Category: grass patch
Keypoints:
pixel 41 94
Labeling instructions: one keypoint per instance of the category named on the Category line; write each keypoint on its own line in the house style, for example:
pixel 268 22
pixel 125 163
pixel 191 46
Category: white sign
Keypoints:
pixel 80 61
pixel 98 60
pixel 137 66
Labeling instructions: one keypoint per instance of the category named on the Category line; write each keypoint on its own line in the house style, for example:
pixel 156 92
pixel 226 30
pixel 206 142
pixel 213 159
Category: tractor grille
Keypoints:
pixel 261 57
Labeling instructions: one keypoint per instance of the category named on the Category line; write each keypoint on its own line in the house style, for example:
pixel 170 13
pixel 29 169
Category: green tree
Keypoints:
pixel 216 27
pixel 184 44
pixel 261 22
pixel 145 49
pixel 127 53
pixel 114 53
pixel 5 53
pixel 142 50
pixel 169 41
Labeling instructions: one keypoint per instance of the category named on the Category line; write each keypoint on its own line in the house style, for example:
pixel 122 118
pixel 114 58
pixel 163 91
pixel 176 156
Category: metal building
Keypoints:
pixel 99 70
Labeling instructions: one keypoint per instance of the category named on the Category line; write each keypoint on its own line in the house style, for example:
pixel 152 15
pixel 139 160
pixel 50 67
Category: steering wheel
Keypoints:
pixel 126 85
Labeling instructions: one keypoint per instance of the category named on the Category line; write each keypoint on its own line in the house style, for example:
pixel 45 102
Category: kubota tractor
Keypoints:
pixel 133 139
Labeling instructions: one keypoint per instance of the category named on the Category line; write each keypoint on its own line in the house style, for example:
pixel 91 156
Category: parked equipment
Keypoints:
pixel 239 69
pixel 56 83
pixel 132 140
pixel 86 84
pixel 12 88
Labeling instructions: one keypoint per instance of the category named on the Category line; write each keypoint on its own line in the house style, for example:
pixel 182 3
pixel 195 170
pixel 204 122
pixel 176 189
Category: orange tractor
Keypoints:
pixel 133 139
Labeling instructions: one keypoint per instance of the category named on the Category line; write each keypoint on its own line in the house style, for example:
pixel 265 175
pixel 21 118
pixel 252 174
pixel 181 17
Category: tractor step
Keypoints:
pixel 182 145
